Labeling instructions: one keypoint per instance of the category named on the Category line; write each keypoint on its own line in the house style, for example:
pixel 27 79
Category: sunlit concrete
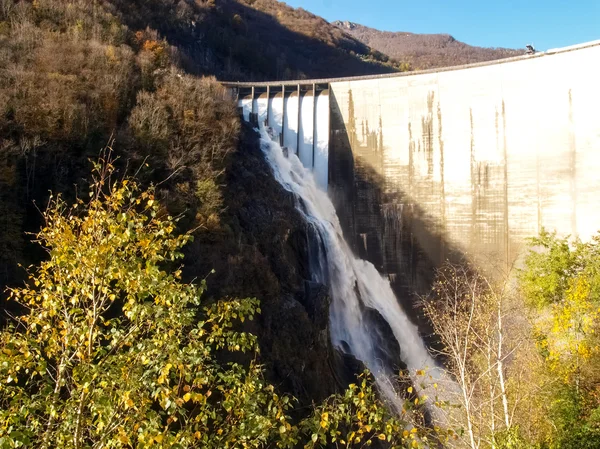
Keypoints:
pixel 488 154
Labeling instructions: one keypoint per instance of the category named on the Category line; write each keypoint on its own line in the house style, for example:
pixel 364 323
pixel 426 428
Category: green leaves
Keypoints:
pixel 111 352
pixel 561 279
pixel 359 419
pixel 545 277
pixel 115 351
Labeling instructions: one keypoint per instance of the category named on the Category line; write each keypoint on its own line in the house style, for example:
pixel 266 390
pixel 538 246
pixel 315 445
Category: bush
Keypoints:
pixel 544 280
pixel 186 129
pixel 115 351
pixel 561 280
pixel 186 122
pixel 59 85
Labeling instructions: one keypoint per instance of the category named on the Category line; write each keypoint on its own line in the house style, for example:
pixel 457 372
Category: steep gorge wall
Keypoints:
pixel 466 161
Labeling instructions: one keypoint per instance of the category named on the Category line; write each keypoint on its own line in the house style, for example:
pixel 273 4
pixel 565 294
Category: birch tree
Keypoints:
pixel 469 315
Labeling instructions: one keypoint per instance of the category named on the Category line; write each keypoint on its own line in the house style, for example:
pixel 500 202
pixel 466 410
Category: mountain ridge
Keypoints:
pixel 423 51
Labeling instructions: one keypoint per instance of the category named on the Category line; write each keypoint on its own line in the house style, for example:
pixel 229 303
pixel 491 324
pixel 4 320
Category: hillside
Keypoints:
pixel 74 73
pixel 252 39
pixel 139 76
pixel 423 51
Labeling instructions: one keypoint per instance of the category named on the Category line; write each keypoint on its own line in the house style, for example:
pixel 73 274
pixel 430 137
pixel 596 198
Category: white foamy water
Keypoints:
pixel 355 285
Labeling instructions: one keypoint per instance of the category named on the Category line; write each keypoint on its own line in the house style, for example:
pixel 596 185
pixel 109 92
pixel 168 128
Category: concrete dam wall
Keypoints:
pixel 464 161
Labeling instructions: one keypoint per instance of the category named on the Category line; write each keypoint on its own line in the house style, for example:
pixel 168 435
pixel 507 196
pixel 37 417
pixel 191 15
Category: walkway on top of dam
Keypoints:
pixel 307 82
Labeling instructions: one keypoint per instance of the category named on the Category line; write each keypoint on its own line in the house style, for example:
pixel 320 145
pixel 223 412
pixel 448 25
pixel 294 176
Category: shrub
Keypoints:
pixel 186 122
pixel 561 280
pixel 544 280
pixel 186 129
pixel 115 351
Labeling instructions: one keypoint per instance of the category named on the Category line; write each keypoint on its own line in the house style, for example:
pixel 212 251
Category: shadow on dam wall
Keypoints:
pixel 383 223
pixel 385 231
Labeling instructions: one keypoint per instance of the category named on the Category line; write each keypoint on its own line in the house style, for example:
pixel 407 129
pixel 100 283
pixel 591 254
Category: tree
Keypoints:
pixel 470 313
pixel 546 275
pixel 561 281
pixel 358 419
pixel 115 351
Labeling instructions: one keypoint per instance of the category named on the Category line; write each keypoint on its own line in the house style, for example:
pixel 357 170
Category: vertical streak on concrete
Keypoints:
pixel 411 162
pixel 427 129
pixel 539 190
pixel 411 194
pixel 573 166
pixel 539 193
pixel 351 121
pixel 351 131
pixel 505 161
pixel 314 138
pixel 443 188
pixel 473 238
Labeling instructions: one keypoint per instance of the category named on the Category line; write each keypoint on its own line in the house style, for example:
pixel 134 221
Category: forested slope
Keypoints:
pixel 73 74
pixel 253 39
pixel 77 76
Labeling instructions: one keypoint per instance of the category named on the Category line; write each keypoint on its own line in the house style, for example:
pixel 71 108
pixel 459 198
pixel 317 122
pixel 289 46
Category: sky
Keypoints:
pixel 488 23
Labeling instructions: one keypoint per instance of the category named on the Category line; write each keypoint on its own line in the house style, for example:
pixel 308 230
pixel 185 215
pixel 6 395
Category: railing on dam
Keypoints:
pixel 471 159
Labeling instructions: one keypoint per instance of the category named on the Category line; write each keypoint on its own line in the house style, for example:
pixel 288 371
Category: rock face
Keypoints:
pixel 262 250
pixel 345 24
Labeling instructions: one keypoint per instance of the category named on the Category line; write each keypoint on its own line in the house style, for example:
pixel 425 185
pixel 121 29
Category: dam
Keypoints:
pixel 463 161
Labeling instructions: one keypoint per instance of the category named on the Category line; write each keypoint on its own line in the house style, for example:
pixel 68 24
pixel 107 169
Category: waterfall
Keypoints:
pixel 356 287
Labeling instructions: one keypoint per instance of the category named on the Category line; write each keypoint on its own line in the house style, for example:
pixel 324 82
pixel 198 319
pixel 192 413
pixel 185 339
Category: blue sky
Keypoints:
pixel 489 23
